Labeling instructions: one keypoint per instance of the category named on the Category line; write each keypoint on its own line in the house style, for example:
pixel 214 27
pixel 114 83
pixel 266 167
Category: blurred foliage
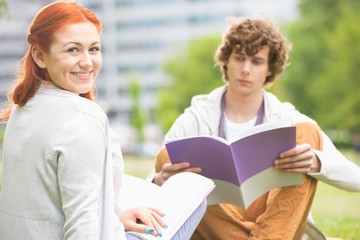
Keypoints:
pixel 3 8
pixel 137 119
pixel 323 78
pixel 192 72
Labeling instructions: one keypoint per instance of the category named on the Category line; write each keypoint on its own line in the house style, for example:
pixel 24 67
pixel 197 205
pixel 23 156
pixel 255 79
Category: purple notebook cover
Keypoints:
pixel 254 153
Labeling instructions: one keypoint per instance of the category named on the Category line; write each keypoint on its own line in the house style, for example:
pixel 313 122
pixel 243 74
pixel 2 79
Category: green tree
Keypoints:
pixel 191 72
pixel 339 99
pixel 307 35
pixel 137 119
pixel 322 80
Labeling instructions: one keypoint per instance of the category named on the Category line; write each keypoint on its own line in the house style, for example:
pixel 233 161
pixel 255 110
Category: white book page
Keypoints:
pixel 262 128
pixel 178 198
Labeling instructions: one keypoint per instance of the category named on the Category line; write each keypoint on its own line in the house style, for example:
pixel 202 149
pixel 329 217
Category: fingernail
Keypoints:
pixel 159 233
pixel 149 230
pixel 165 226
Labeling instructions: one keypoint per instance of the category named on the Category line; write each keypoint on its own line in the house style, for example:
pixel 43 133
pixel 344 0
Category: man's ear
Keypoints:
pixel 38 57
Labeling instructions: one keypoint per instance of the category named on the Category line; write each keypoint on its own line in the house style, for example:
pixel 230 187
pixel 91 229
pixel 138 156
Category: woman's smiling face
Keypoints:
pixel 74 59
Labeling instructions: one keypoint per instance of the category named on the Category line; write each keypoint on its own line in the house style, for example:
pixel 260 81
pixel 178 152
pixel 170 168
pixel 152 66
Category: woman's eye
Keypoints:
pixel 73 50
pixel 95 49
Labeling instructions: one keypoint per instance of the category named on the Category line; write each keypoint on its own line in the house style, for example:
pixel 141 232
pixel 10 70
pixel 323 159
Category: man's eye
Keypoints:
pixel 239 58
pixel 257 62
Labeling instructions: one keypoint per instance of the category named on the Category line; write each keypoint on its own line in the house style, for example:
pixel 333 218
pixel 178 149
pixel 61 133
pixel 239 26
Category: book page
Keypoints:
pixel 134 192
pixel 182 194
pixel 226 192
pixel 216 138
pixel 178 198
pixel 266 180
pixel 262 128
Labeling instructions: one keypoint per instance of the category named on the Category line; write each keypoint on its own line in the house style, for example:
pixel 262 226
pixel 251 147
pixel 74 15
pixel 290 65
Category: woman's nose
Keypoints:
pixel 85 61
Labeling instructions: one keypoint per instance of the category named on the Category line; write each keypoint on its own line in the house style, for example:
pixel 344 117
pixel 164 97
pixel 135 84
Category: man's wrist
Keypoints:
pixel 316 166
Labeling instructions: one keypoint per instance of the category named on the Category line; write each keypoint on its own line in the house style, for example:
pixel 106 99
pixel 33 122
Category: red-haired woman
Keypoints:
pixel 58 168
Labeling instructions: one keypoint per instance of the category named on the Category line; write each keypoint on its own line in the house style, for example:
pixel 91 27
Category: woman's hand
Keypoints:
pixel 169 170
pixel 300 159
pixel 143 220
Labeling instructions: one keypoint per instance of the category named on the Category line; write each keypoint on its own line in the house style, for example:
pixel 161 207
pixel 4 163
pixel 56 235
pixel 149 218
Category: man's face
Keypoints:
pixel 247 74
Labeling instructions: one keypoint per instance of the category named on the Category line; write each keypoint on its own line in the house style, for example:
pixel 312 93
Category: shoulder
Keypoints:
pixel 85 115
pixel 68 103
pixel 206 105
pixel 67 110
pixel 89 108
pixel 214 97
pixel 276 109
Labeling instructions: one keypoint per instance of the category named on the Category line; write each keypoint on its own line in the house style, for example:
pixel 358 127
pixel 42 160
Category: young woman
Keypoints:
pixel 58 160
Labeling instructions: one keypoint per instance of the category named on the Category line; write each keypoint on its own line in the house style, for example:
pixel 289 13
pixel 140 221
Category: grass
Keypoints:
pixel 336 212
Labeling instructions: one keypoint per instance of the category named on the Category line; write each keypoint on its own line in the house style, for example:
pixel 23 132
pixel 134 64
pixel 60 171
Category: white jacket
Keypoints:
pixel 57 171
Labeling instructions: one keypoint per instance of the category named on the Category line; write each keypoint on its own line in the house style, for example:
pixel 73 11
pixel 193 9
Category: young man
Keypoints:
pixel 251 55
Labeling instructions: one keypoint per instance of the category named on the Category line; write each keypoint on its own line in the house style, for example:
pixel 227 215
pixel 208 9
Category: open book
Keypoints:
pixel 178 198
pixel 243 169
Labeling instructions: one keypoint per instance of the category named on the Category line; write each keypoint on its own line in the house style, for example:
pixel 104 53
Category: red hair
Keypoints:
pixel 49 20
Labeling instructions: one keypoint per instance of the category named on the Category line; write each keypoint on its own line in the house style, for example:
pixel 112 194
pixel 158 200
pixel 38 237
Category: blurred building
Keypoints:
pixel 139 35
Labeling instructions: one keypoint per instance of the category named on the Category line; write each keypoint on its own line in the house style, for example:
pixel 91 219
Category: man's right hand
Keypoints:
pixel 169 170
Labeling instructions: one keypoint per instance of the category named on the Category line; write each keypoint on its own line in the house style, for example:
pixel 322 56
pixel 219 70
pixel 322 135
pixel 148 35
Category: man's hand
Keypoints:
pixel 169 170
pixel 300 159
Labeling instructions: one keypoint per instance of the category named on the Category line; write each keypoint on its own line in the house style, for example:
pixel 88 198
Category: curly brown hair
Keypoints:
pixel 253 35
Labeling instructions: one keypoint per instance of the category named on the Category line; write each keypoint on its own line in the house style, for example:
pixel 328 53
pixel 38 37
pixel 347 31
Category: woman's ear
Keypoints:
pixel 38 57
